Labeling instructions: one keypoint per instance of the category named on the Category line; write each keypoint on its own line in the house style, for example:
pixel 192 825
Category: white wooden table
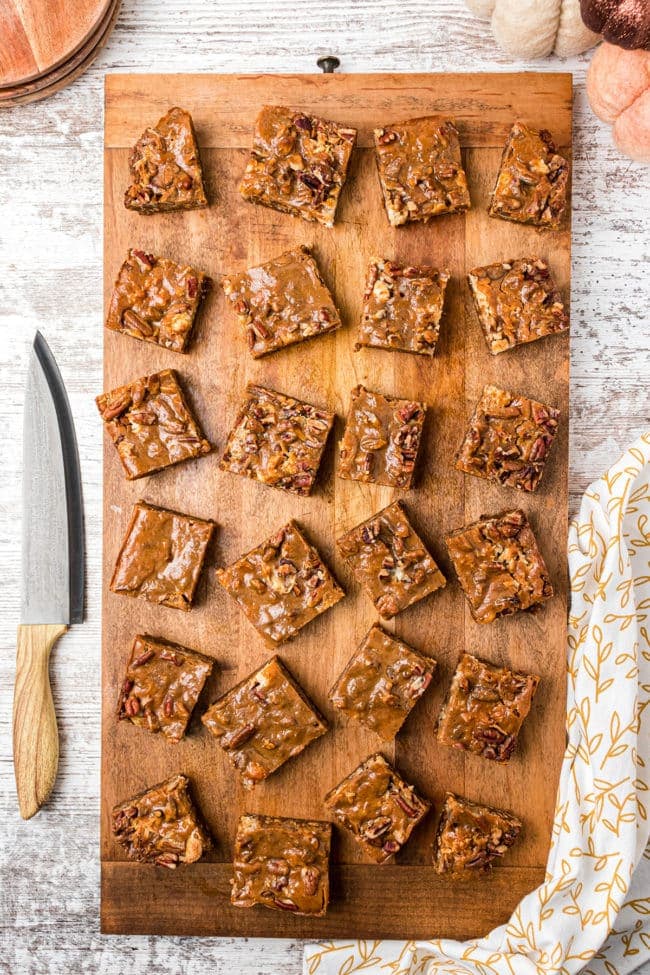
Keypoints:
pixel 50 278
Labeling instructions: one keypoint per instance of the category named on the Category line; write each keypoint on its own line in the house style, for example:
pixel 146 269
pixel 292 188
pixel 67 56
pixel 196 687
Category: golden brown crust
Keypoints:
pixel 379 808
pixel 281 585
pixel 161 556
pixel 166 168
pixel 499 566
pixel 390 561
pixel 508 439
pixel 282 864
pixel 420 169
pixel 485 708
pixel 471 836
pixel 532 182
pixel 298 163
pixel 264 721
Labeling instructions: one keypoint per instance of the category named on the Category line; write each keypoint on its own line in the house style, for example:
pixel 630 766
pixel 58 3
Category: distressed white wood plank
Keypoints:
pixel 50 278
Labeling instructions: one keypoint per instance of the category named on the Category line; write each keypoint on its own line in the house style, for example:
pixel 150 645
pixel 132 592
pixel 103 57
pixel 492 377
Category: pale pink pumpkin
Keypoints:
pixel 618 87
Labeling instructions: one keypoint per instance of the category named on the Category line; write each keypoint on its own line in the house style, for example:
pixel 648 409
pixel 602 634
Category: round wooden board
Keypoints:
pixel 37 36
pixel 61 76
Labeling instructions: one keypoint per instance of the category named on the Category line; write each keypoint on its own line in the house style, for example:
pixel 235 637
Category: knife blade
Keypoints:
pixel 52 585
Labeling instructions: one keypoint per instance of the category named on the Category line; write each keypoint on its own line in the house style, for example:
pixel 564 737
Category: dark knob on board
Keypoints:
pixel 328 64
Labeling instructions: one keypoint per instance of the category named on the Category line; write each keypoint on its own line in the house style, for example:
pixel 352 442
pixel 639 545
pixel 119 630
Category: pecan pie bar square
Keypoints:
pixel 156 300
pixel 516 302
pixel 402 307
pixel 298 163
pixel 378 807
pixel 421 170
pixel 263 722
pixel 166 168
pixel 151 424
pixel 162 556
pixel 282 864
pixel 532 182
pixel 281 585
pixel 282 302
pixel 382 682
pixel 390 561
pixel 471 836
pixel 382 438
pixel 161 686
pixel 485 708
pixel 161 825
pixel 499 566
pixel 508 439
pixel 277 440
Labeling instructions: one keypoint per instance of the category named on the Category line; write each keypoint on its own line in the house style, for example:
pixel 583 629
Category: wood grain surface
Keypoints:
pixel 37 36
pixel 51 256
pixel 230 236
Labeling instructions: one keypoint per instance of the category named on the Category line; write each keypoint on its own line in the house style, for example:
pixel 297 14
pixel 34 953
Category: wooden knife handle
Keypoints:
pixel 36 739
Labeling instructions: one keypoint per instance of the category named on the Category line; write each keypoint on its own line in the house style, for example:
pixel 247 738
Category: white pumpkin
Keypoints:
pixel 529 29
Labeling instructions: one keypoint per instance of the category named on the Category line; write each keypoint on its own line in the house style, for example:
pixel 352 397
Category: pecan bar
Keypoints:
pixel 298 164
pixel 382 438
pixel 382 682
pixel 161 825
pixel 162 556
pixel 282 864
pixel 390 561
pixel 281 585
pixel 508 439
pixel 263 722
pixel 277 440
pixel 161 686
pixel 471 836
pixel 420 170
pixel 499 566
pixel 532 182
pixel 165 167
pixel 379 808
pixel 485 708
pixel 516 302
pixel 151 424
pixel 156 300
pixel 282 302
pixel 402 307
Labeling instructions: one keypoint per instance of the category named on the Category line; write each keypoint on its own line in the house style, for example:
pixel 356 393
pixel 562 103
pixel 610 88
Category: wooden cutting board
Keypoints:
pixel 405 899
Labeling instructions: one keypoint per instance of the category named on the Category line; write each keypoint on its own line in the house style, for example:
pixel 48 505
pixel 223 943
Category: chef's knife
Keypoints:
pixel 52 582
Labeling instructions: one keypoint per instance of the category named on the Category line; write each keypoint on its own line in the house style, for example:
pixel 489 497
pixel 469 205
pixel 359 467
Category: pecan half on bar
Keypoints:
pixel 161 825
pixel 281 302
pixel 485 708
pixel 516 302
pixel 298 163
pixel 282 864
pixel 382 438
pixel 402 308
pixel 508 439
pixel 161 686
pixel 421 170
pixel 156 300
pixel 378 807
pixel 533 179
pixel 151 424
pixel 263 722
pixel 281 585
pixel 390 561
pixel 499 566
pixel 471 836
pixel 166 168
pixel 277 440
pixel 382 682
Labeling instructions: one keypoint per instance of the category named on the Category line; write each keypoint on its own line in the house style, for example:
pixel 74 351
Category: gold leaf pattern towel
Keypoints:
pixel 592 913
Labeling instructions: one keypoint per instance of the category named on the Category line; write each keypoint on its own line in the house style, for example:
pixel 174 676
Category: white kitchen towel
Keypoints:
pixel 592 913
